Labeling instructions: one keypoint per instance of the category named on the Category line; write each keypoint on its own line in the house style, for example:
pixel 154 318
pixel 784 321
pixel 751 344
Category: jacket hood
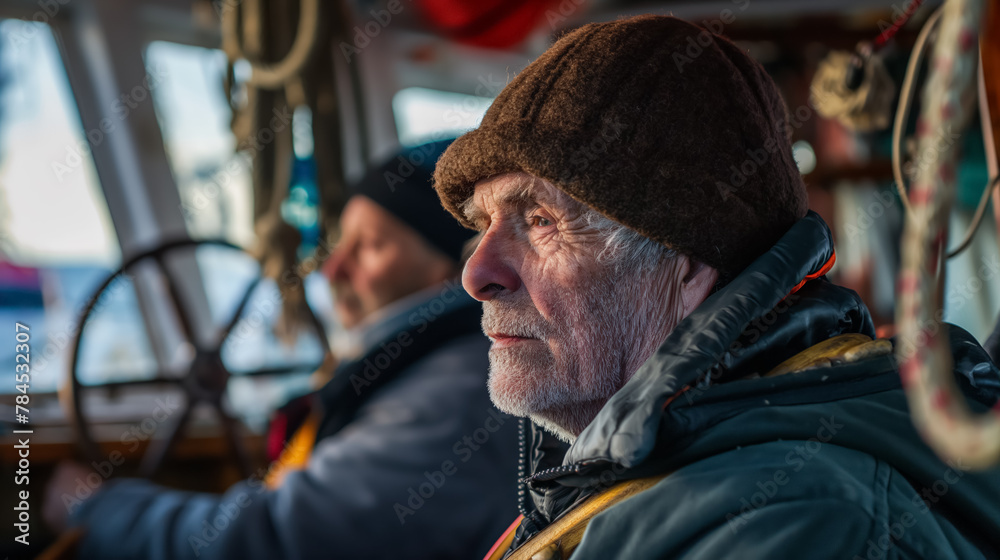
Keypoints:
pixel 717 340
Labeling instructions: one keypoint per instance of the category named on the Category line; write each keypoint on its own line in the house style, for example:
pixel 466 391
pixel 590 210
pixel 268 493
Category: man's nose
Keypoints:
pixel 488 271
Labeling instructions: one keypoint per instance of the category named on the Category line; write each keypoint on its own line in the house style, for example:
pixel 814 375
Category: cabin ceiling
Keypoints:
pixel 844 22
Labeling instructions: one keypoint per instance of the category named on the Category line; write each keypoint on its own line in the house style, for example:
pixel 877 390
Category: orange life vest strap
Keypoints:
pixel 296 455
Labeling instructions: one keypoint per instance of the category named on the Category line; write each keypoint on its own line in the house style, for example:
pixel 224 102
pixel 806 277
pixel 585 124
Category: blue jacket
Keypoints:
pixel 822 463
pixel 413 462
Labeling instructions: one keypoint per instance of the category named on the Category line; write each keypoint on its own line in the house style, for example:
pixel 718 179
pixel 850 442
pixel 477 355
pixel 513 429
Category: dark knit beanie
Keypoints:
pixel 656 123
pixel 402 185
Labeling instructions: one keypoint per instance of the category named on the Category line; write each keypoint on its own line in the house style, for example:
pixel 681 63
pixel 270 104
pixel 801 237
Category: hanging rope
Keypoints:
pixel 274 76
pixel 939 410
pixel 301 37
pixel 903 115
pixel 905 100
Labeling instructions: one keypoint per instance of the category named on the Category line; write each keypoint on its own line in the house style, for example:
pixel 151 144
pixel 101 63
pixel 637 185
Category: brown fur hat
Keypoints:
pixel 656 123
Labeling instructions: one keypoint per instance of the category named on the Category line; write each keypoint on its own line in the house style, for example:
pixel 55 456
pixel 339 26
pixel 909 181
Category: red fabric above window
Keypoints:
pixel 15 276
pixel 495 24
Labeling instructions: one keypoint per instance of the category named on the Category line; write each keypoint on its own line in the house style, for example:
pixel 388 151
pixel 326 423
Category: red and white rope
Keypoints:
pixel 939 410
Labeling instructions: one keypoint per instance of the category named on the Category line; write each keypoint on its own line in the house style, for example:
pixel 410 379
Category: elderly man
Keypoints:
pixel 403 455
pixel 652 282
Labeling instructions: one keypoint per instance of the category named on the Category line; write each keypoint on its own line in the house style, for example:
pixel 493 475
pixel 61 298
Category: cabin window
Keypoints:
pixel 425 115
pixel 213 179
pixel 57 241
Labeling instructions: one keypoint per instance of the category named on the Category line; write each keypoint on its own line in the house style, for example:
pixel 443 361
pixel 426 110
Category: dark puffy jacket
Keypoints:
pixel 822 463
pixel 415 463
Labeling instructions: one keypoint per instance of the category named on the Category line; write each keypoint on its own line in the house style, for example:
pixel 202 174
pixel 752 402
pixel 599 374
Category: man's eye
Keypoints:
pixel 539 221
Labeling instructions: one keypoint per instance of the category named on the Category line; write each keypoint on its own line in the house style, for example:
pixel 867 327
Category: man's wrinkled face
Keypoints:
pixel 378 260
pixel 567 326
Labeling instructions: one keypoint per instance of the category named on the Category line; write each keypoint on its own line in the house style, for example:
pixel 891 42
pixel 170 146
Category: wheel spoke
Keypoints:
pixel 277 370
pixel 114 385
pixel 162 443
pixel 228 327
pixel 230 428
pixel 177 299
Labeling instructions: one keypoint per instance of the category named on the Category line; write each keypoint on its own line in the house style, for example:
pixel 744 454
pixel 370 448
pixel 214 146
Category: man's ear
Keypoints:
pixel 697 284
